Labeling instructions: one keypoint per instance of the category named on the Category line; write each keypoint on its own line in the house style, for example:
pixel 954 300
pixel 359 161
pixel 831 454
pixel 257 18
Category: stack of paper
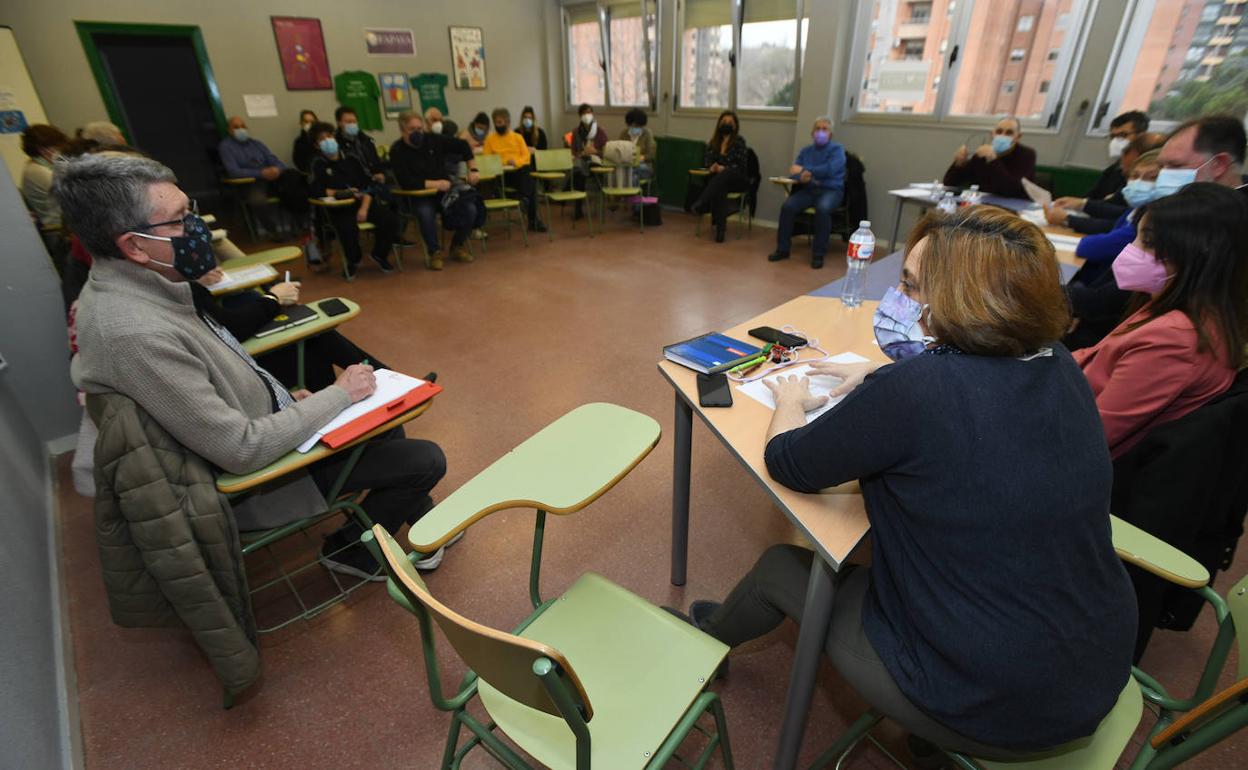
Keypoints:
pixel 243 276
pixel 1063 242
pixel 820 384
pixel 390 386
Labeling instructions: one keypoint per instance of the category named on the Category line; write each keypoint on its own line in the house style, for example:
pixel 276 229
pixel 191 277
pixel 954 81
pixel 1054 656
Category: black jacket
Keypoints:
pixel 433 159
pixel 363 148
pixel 1108 183
pixel 1102 215
pixel 344 173
pixel 304 151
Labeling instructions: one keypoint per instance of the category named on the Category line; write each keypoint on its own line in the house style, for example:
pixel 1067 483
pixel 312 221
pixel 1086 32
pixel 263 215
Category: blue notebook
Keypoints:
pixel 711 353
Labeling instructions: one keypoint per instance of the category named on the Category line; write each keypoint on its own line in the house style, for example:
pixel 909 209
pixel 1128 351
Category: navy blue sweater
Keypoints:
pixel 997 602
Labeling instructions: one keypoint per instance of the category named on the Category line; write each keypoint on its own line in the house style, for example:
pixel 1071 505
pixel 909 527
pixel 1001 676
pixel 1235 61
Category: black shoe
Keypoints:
pixel 341 556
pixel 927 756
pixel 383 262
pixel 430 377
pixel 719 234
pixel 350 269
pixel 537 227
pixel 776 256
pixel 816 262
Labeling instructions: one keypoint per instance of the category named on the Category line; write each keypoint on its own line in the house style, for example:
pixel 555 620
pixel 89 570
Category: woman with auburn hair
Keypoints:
pixel 995 617
pixel 1183 344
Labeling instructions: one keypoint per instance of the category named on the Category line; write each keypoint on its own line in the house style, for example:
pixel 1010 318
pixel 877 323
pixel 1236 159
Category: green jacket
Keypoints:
pixel 169 546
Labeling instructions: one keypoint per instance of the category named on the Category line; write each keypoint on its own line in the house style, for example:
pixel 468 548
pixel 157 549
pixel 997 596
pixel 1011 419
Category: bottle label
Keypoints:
pixel 861 250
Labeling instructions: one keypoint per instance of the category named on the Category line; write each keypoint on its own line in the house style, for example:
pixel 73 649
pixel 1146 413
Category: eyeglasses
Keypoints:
pixel 192 207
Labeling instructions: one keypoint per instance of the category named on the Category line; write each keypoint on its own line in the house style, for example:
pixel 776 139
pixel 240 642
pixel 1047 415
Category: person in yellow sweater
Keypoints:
pixel 511 147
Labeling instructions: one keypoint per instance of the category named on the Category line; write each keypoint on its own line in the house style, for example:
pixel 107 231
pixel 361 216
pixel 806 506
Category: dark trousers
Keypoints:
pixel 714 197
pixel 776 588
pixel 399 473
pixel 526 186
pixel 426 212
pixel 320 355
pixel 385 232
pixel 825 202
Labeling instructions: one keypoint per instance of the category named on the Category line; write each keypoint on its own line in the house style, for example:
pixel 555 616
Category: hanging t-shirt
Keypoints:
pixel 358 90
pixel 431 86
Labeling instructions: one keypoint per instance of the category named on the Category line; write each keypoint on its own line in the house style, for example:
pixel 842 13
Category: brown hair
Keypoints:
pixel 40 137
pixel 991 282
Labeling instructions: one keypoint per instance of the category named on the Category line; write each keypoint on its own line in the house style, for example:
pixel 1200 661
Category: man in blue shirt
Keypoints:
pixel 244 157
pixel 819 177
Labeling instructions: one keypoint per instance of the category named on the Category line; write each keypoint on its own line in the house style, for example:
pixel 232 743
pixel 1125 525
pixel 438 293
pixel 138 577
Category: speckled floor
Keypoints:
pixel 519 337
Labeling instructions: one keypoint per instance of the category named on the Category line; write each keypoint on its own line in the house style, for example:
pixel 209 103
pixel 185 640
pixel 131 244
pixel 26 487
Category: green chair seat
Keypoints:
pixel 551 175
pixel 1135 546
pixel 642 666
pixel 569 195
pixel 497 204
pixel 732 196
pixel 364 227
pixel 621 191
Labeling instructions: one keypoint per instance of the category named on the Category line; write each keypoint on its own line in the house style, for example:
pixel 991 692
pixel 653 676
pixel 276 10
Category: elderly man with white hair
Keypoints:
pixel 819 181
pixel 102 132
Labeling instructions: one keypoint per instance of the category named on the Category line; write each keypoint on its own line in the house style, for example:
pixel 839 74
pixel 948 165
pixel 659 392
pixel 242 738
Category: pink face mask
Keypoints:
pixel 1137 270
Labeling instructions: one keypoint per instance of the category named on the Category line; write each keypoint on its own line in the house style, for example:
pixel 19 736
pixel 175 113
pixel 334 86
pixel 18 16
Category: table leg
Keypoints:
pixel 681 450
pixel 892 245
pixel 812 633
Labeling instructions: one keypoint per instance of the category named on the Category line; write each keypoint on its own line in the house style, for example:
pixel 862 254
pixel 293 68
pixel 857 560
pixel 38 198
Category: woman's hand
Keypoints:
pixel 794 390
pixel 851 375
pixel 286 293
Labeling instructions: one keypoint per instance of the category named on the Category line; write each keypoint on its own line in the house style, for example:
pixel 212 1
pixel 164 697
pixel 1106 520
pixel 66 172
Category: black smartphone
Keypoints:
pixel 332 307
pixel 713 390
pixel 783 339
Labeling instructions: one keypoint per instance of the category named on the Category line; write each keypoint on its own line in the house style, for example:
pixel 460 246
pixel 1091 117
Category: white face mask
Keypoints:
pixel 435 127
pixel 587 118
pixel 1116 146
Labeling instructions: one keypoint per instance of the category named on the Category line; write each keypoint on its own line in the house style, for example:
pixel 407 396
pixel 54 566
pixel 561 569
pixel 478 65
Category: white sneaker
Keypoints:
pixel 432 561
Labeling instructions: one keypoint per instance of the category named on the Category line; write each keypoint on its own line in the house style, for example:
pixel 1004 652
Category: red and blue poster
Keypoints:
pixel 301 49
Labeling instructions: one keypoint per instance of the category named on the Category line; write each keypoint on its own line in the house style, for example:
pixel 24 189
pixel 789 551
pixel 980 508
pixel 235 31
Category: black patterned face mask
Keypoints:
pixel 192 251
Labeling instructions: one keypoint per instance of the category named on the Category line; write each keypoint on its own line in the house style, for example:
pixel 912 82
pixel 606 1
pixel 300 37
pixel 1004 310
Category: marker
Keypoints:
pixel 287 276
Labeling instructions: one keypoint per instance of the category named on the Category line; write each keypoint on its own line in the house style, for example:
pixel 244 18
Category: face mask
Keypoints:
pixel 329 146
pixel 478 132
pixel 435 127
pixel 416 138
pixel 351 129
pixel 725 129
pixel 1171 180
pixel 634 132
pixel 1000 144
pixel 587 118
pixel 501 129
pixel 527 123
pixel 305 126
pixel 1137 270
pixel 1138 192
pixel 896 325
pixel 192 251
pixel 822 138
pixel 240 134
pixel 1116 145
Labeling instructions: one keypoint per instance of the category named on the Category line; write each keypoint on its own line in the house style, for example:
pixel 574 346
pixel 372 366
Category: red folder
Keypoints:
pixel 380 416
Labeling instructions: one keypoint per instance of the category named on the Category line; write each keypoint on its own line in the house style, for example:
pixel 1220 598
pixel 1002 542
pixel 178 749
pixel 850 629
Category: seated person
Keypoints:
pixel 819 172
pixel 42 144
pixel 533 134
pixel 476 132
pixel 305 149
pixel 248 158
pixel 1183 346
pixel 422 161
pixel 354 143
pixel 1122 131
pixel 727 158
pixel 1206 149
pixel 646 148
pixel 434 123
pixel 510 147
pixel 945 444
pixel 1102 213
pixel 139 335
pixel 101 132
pixel 587 143
pixel 335 174
pixel 997 168
pixel 1100 250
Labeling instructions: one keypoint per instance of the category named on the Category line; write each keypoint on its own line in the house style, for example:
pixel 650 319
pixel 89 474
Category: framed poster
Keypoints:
pixel 389 42
pixel 396 93
pixel 468 57
pixel 301 49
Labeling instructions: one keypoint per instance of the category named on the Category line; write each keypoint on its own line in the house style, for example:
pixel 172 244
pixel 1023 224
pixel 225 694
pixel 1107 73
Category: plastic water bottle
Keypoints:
pixel 947 204
pixel 970 196
pixel 936 190
pixel 861 247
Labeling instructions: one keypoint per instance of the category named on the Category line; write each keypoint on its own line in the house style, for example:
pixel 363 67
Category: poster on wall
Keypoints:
pixel 468 57
pixel 389 42
pixel 396 95
pixel 301 49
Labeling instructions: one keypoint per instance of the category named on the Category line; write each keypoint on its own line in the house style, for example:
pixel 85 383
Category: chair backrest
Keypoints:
pixel 554 160
pixel 489 165
pixel 502 659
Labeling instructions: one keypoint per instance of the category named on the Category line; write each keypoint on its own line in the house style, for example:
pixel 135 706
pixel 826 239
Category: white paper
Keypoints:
pixel 820 384
pixel 1034 216
pixel 243 275
pixel 1037 193
pixel 1063 242
pixel 260 105
pixel 390 386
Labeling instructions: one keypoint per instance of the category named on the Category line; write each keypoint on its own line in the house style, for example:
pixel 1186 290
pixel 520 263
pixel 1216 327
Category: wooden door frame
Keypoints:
pixel 86 33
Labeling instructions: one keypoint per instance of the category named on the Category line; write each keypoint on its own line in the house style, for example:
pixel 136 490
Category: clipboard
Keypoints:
pixel 380 416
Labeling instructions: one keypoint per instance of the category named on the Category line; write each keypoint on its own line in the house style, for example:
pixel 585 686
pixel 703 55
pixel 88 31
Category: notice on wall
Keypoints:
pixel 12 121
pixel 260 105
pixel 389 42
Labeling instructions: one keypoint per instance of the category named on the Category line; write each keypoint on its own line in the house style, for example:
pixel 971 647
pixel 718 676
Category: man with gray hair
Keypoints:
pixel 818 177
pixel 140 335
pixel 103 132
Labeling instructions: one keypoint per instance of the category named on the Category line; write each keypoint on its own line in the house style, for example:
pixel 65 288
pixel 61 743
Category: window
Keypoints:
pixel 1174 65
pixel 966 61
pixel 920 13
pixel 762 75
pixel 606 47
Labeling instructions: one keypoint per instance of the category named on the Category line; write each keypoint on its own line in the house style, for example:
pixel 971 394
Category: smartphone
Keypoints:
pixel 713 390
pixel 783 339
pixel 332 307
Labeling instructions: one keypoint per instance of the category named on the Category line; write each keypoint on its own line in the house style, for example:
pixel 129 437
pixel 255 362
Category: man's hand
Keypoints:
pixel 1071 203
pixel 795 169
pixel 358 381
pixel 851 375
pixel 1056 215
pixel 794 390
pixel 270 173
pixel 473 177
pixel 361 215
pixel 986 152
pixel 300 394
pixel 212 277
pixel 805 177
pixel 286 293
pixel 961 156
pixel 442 185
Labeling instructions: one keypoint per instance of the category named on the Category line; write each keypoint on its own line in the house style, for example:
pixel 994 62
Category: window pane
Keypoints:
pixel 1007 57
pixel 586 82
pixel 1191 61
pixel 705 44
pixel 905 46
pixel 766 77
pixel 628 62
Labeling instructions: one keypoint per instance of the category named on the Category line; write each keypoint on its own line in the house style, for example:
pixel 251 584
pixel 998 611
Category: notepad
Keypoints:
pixel 390 385
pixel 820 384
pixel 242 276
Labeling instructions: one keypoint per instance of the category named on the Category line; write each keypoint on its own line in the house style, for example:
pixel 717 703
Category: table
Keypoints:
pixel 835 520
pixel 922 198
pixel 256 346
pixel 261 277
pixel 274 256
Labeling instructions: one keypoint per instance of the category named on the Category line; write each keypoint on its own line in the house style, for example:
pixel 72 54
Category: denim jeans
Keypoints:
pixel 825 201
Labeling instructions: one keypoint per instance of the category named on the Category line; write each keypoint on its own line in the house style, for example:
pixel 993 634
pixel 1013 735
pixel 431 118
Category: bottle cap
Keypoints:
pixel 865 223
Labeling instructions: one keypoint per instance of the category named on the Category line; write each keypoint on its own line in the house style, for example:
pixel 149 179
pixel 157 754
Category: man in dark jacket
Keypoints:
pixel 1122 131
pixel 998 168
pixel 335 174
pixel 354 143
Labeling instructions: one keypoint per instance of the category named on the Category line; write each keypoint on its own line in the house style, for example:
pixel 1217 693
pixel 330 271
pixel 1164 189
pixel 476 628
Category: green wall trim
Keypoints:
pixel 86 33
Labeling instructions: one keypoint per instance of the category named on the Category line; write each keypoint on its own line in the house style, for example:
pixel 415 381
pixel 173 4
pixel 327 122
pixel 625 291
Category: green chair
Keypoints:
pixel 610 191
pixel 490 168
pixel 326 229
pixel 596 677
pixel 745 219
pixel 554 170
pixel 1208 717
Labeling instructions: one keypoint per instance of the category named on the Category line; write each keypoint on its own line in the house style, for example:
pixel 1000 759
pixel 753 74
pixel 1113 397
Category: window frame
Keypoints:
pixel 734 55
pixel 1062 83
pixel 603 15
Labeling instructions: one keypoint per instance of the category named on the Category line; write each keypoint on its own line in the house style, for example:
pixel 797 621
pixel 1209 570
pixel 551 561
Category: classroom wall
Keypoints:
pixel 239 39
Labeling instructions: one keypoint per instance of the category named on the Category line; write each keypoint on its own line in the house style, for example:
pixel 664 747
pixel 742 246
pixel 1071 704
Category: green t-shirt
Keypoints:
pixel 431 86
pixel 359 91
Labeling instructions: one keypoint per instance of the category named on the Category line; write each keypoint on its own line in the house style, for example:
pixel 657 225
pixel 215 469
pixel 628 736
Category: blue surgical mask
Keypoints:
pixel 351 129
pixel 1137 192
pixel 1001 144
pixel 329 146
pixel 634 131
pixel 527 123
pixel 192 250
pixel 1171 180
pixel 240 134
pixel 897 328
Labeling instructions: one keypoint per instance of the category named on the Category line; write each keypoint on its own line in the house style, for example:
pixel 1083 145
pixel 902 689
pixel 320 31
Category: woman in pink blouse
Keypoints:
pixel 1183 344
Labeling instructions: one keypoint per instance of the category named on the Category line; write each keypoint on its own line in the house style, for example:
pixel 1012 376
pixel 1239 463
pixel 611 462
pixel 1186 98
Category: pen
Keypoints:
pixel 287 276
